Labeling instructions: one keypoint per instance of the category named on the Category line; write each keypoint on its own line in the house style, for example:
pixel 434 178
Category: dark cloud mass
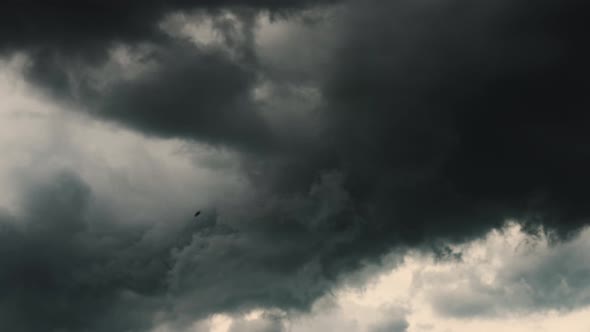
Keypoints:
pixel 191 94
pixel 454 116
pixel 70 266
pixel 437 120
pixel 196 92
pixel 86 27
pixel 394 321
pixel 396 326
pixel 65 269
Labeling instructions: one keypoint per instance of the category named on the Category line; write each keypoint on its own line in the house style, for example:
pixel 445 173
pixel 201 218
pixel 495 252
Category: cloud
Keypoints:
pixel 178 90
pixel 384 126
pixel 107 223
pixel 55 260
pixel 527 283
pixel 277 247
pixel 448 119
pixel 267 322
pixel 191 94
pixel 69 263
pixel 104 228
pixel 394 320
pixel 535 276
pixel 444 122
pixel 179 87
pixel 78 28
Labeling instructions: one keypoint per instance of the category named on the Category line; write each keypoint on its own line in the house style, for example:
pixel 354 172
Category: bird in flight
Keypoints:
pixel 197 213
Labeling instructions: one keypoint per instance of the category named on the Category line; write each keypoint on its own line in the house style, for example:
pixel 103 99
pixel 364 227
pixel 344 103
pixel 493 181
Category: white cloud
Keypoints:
pixel 503 274
pixel 199 28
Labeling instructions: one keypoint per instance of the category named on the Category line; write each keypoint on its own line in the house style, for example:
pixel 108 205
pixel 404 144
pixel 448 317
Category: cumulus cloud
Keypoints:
pixel 427 293
pixel 528 275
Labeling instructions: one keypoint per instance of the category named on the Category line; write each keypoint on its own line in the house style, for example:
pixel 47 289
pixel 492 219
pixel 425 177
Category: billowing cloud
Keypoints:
pixel 180 87
pixel 491 283
pixel 375 127
pixel 77 27
pixel 452 116
pixel 71 273
pixel 533 276
pixel 107 229
pixel 508 279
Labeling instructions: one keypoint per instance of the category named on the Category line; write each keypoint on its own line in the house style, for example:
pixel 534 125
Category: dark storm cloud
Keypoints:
pixel 441 119
pixel 66 269
pixel 182 90
pixel 192 93
pixel 267 252
pixel 445 119
pixel 451 116
pixel 68 266
pixel 201 92
pixel 89 27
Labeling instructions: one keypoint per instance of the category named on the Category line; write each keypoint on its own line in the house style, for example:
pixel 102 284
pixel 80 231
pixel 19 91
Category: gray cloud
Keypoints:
pixel 63 274
pixel 447 113
pixel 179 90
pixel 435 120
pixel 80 28
pixel 445 122
pixel 267 252
pixel 72 267
pixel 394 321
pixel 202 92
pixel 192 93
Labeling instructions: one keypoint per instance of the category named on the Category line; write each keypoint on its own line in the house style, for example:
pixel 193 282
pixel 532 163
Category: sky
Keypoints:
pixel 360 165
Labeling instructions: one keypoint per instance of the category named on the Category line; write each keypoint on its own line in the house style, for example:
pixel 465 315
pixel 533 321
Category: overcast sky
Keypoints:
pixel 360 165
